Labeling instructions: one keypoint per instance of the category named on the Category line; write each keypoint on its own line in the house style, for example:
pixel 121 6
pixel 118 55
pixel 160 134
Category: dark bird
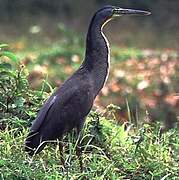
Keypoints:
pixel 68 107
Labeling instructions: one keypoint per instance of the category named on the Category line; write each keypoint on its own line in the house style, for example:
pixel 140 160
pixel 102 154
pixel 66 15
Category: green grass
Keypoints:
pixel 109 152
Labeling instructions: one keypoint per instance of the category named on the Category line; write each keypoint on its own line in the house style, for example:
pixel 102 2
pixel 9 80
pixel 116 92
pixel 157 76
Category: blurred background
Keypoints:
pixel 159 30
pixel 49 38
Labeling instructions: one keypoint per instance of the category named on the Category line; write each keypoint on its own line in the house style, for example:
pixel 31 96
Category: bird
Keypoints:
pixel 68 107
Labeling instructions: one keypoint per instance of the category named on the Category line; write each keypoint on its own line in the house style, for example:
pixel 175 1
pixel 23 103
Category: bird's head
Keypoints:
pixel 107 13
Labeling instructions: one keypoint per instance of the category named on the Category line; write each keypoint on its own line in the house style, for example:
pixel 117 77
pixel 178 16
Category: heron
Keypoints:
pixel 68 107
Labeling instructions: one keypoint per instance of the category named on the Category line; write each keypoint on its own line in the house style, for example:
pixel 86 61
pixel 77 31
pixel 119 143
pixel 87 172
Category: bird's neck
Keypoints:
pixel 97 55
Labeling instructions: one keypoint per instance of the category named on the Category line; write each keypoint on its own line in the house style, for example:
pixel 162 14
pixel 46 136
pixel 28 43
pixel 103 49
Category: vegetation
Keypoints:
pixel 109 152
pixel 111 149
pixel 41 17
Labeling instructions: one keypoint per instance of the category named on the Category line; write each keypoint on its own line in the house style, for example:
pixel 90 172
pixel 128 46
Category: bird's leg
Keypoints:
pixel 78 145
pixel 61 153
pixel 79 152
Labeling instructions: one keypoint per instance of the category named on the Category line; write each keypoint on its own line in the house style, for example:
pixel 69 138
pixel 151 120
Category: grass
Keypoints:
pixel 109 152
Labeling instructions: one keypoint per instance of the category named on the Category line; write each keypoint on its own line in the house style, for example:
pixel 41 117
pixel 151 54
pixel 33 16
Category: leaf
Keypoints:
pixel 6 73
pixel 9 55
pixel 2 162
pixel 3 45
pixel 166 176
pixel 5 65
pixel 20 102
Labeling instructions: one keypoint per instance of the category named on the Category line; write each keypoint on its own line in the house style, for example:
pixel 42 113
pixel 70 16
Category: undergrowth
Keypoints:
pixel 110 150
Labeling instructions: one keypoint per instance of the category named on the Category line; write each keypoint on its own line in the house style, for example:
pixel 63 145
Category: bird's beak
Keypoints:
pixel 121 11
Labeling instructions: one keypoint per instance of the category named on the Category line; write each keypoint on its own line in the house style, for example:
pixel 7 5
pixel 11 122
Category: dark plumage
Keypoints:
pixel 68 107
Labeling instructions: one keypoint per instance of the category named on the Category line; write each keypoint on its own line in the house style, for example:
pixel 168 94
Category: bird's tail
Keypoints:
pixel 34 143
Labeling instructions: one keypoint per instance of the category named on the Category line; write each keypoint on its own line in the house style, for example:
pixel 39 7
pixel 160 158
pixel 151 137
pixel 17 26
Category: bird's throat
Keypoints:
pixel 97 56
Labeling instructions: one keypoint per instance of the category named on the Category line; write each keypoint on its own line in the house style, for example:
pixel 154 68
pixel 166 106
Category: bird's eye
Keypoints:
pixel 115 11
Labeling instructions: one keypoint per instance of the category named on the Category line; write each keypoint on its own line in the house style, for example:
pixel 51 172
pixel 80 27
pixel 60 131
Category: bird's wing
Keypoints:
pixel 42 114
pixel 63 111
pixel 54 99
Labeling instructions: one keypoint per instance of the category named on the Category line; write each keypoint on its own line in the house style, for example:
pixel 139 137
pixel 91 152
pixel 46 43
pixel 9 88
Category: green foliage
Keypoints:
pixel 109 151
pixel 6 53
pixel 70 37
pixel 127 53
pixel 16 98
